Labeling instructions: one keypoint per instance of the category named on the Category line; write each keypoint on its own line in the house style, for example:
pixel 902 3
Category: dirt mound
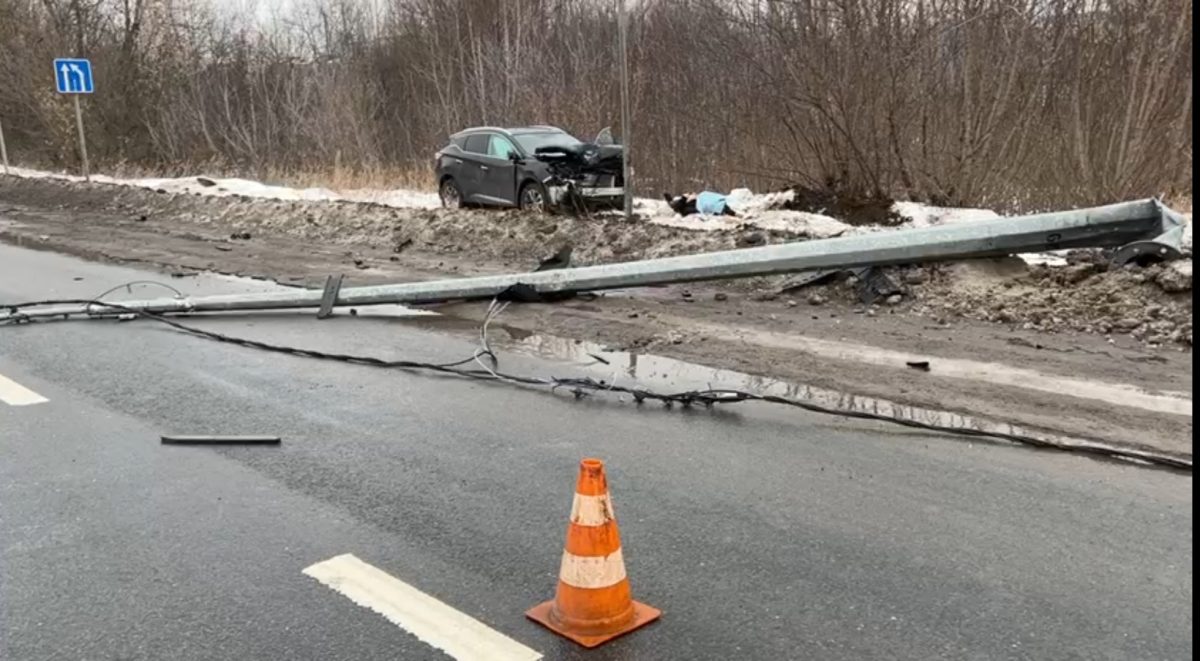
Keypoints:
pixel 482 235
pixel 1145 303
pixel 1152 304
pixel 857 210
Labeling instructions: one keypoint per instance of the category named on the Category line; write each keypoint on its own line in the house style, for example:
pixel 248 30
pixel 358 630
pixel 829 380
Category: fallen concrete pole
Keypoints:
pixel 1144 229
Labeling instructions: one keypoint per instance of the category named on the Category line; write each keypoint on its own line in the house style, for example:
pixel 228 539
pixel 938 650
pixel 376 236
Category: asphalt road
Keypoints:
pixel 761 533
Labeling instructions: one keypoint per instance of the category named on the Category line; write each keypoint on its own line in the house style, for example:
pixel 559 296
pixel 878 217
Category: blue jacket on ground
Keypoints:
pixel 710 203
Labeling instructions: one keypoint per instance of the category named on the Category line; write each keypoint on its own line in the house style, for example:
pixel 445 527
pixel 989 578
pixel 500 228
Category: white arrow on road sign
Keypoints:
pixel 79 74
pixel 66 78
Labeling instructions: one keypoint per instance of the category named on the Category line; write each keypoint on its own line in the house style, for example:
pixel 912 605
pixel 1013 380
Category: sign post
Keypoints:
pixel 3 149
pixel 626 129
pixel 74 77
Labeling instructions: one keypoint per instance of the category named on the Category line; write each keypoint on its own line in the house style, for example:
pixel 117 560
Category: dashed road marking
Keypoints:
pixel 431 621
pixel 15 394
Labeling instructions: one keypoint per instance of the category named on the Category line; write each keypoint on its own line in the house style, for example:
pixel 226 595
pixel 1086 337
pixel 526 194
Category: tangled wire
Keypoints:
pixel 487 368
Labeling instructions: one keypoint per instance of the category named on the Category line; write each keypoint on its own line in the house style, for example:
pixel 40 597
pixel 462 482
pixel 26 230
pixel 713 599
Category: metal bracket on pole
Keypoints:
pixel 1162 248
pixel 1165 247
pixel 333 285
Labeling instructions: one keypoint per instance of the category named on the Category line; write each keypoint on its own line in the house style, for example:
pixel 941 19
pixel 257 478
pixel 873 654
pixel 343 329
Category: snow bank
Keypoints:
pixel 746 202
pixel 924 215
pixel 761 211
pixel 798 222
pixel 400 198
pixel 224 187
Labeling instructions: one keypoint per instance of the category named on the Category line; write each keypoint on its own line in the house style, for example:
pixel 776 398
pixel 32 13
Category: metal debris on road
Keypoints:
pixel 221 440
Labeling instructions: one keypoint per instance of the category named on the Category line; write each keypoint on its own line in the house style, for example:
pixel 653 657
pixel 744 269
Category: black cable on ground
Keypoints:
pixel 582 386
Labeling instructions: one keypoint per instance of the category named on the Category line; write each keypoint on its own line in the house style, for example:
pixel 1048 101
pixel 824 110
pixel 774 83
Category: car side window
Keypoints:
pixel 477 144
pixel 501 148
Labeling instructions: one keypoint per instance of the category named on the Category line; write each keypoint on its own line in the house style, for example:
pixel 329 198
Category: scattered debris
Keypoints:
pixel 874 284
pixel 221 440
pixel 750 239
pixel 561 259
pixel 916 276
pixel 922 365
pixel 806 278
pixel 1175 277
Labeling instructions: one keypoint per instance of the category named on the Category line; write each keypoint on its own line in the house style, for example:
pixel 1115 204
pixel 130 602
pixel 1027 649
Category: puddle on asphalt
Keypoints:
pixel 664 374
pixel 1175 403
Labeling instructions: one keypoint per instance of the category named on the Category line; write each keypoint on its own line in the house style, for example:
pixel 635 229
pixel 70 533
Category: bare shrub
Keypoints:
pixel 1014 104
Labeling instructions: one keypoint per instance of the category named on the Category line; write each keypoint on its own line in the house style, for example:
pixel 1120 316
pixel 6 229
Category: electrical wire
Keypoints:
pixel 584 386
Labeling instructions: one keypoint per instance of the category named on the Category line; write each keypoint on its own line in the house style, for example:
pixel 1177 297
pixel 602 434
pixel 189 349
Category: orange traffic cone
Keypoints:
pixel 592 604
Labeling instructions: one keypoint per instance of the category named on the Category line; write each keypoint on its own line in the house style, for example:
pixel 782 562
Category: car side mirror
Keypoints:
pixel 515 157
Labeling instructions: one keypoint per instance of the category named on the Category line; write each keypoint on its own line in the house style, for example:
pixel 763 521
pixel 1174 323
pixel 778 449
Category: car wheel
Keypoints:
pixel 533 197
pixel 451 195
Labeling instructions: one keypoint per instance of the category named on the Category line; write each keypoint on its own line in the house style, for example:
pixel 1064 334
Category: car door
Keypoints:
pixel 472 168
pixel 499 171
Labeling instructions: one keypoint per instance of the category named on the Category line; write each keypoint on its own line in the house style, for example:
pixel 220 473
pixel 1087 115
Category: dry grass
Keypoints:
pixel 1181 202
pixel 346 179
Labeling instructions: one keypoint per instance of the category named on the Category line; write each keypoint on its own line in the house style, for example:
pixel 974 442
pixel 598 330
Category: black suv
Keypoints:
pixel 537 167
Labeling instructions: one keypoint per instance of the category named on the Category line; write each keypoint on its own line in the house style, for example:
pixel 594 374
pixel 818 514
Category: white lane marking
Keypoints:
pixel 432 621
pixel 15 394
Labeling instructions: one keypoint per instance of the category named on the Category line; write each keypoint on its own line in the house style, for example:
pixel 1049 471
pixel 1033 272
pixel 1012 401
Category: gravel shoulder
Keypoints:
pixel 998 317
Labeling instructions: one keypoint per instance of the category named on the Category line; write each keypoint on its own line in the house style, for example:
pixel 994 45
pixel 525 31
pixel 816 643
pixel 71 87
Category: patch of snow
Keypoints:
pixel 924 215
pixel 798 222
pixel 399 198
pixel 234 186
pixel 755 211
pixel 651 207
pixel 744 201
pixel 1053 258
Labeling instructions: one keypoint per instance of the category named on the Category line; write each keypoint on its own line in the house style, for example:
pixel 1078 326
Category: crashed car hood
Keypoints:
pixel 585 157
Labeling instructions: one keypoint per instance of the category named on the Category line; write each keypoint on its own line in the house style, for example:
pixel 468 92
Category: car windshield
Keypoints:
pixel 531 141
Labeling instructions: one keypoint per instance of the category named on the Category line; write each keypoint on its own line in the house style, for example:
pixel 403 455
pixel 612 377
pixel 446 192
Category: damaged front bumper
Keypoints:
pixel 568 194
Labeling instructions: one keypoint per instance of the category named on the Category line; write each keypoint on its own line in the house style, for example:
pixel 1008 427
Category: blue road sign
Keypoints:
pixel 73 76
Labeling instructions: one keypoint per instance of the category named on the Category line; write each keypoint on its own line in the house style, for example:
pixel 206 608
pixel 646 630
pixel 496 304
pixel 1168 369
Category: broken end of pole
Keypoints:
pixel 1165 247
